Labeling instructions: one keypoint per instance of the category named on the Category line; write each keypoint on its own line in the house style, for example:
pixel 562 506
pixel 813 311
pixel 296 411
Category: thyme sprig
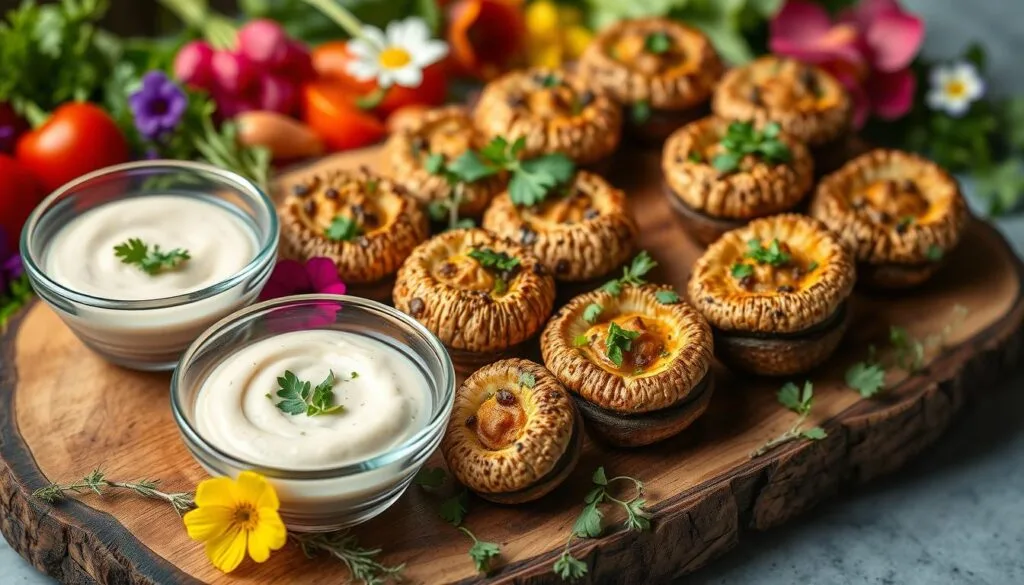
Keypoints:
pixel 361 562
pixel 97 483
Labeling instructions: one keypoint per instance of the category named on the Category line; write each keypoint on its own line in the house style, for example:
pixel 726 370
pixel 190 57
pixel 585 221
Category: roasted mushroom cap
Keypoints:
pixel 654 61
pixel 477 292
pixel 552 111
pixel 514 433
pixel 357 219
pixel 775 293
pixel 447 132
pixel 900 214
pixel 580 233
pixel 712 201
pixel 806 101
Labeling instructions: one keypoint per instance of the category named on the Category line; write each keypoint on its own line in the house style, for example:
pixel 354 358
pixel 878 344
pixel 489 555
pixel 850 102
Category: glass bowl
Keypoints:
pixel 320 500
pixel 150 334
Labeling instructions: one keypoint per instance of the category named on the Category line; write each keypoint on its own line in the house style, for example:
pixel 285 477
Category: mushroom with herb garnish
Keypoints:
pixel 806 101
pixel 581 230
pixel 721 174
pixel 900 213
pixel 553 112
pixel 361 221
pixel 660 70
pixel 419 152
pixel 775 292
pixel 514 433
pixel 636 357
pixel 480 294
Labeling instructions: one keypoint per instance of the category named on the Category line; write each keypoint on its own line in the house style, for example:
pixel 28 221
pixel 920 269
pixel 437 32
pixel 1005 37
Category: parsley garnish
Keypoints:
pixel 481 552
pixel 640 112
pixel 298 396
pixel 527 379
pixel 741 139
pixel 453 511
pixel 590 523
pixel 934 253
pixel 657 42
pixel 429 477
pixel 592 312
pixel 812 266
pixel 773 255
pixel 799 400
pixel 632 274
pixel 866 377
pixel 740 270
pixel 152 262
pixel 580 340
pixel 667 297
pixel 909 351
pixel 504 267
pixel 695 157
pixel 619 340
pixel 342 229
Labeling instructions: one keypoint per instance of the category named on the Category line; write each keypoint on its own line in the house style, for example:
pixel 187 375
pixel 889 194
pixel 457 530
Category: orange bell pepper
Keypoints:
pixel 486 36
pixel 329 109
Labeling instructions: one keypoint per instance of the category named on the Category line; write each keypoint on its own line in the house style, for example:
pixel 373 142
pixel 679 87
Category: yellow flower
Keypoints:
pixel 554 33
pixel 234 516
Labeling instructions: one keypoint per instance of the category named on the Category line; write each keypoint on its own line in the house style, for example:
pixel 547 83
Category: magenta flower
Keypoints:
pixel 157 106
pixel 869 48
pixel 316 276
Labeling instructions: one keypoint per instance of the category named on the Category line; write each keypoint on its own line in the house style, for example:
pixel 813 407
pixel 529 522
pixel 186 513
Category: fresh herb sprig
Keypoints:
pixel 362 563
pixel 532 180
pixel 342 229
pixel 742 139
pixel 501 264
pixel 590 522
pixel 300 397
pixel 799 401
pixel 631 275
pixel 454 509
pixel 657 42
pixel 98 483
pixel 152 261
pixel 457 174
pixel 618 342
pixel 773 254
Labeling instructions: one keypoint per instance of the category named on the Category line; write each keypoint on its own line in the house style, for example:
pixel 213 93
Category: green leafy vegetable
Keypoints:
pixel 481 552
pixel 632 274
pixel 795 399
pixel 799 401
pixel 867 378
pixel 569 568
pixel 667 297
pixel 742 139
pixel 619 340
pixel 151 261
pixel 299 397
pixel 342 229
pixel 592 312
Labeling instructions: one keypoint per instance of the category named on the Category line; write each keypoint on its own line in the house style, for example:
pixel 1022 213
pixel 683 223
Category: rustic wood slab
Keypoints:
pixel 63 412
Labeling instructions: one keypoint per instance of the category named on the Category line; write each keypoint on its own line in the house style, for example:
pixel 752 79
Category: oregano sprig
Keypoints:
pixel 798 400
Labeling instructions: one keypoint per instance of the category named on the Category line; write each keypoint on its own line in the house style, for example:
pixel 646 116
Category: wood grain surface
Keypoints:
pixel 63 412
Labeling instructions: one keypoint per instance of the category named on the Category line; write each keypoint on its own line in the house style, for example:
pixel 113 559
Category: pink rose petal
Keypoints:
pixel 800 22
pixel 867 11
pixel 335 289
pixel 322 273
pixel 895 39
pixel 892 94
pixel 288 277
pixel 858 97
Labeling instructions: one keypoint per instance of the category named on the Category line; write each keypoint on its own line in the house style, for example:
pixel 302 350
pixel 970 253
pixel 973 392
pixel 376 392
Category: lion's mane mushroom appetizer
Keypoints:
pixel 357 219
pixel 637 361
pixel 417 153
pixel 580 231
pixel 721 174
pixel 661 71
pixel 514 434
pixel 809 103
pixel 480 294
pixel 900 214
pixel 775 293
pixel 551 111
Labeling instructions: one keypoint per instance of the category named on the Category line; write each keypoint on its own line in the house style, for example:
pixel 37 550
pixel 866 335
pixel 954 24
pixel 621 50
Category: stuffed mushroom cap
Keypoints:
pixel 552 111
pixel 657 61
pixel 582 232
pixel 475 291
pixel 513 428
pixel 806 101
pixel 666 358
pixel 447 132
pixel 779 274
pixel 756 189
pixel 892 207
pixel 361 221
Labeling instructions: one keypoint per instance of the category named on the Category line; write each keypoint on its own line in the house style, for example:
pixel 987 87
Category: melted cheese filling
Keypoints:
pixel 450 137
pixel 463 272
pixel 372 213
pixel 649 353
pixel 786 85
pixel 560 101
pixel 500 420
pixel 630 49
pixel 892 202
pixel 561 211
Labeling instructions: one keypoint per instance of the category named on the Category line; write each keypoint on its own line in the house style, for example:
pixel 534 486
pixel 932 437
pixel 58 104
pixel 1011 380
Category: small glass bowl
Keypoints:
pixel 150 334
pixel 327 499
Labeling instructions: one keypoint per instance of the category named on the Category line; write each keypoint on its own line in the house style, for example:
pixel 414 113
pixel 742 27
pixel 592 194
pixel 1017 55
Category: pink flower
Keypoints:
pixel 317 276
pixel 869 48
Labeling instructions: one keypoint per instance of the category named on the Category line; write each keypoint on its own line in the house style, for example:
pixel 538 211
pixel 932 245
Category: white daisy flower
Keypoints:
pixel 954 88
pixel 397 57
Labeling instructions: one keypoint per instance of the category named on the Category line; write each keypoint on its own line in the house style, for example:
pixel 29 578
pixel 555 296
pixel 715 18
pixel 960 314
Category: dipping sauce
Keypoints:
pixel 81 256
pixel 385 399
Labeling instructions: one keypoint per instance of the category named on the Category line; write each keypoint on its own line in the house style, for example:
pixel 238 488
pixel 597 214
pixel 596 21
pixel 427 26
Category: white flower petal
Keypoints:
pixel 936 99
pixel 409 76
pixel 375 36
pixel 964 71
pixel 386 78
pixel 939 76
pixel 976 89
pixel 416 32
pixel 957 107
pixel 363 70
pixel 363 49
pixel 429 53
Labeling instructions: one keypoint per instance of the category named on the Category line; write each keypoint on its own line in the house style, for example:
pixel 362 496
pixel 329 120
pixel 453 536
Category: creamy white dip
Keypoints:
pixel 384 404
pixel 81 256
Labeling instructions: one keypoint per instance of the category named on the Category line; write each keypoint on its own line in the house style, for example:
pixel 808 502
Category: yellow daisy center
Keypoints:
pixel 956 88
pixel 246 516
pixel 394 58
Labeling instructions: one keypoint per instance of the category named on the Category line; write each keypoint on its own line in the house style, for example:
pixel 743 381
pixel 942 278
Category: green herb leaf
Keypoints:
pixel 640 112
pixel 527 379
pixel 533 180
pixel 934 253
pixel 814 433
pixel 866 378
pixel 795 399
pixel 695 157
pixel 619 340
pixel 569 568
pixel 772 255
pixel 740 270
pixel 667 297
pixel 152 262
pixel 470 168
pixel 430 477
pixel 434 163
pixel 589 524
pixel 482 552
pixel 657 42
pixel 631 275
pixel 909 351
pixel 726 162
pixel 580 340
pixel 453 510
pixel 599 477
pixel 323 398
pixel 298 396
pixel 342 229
pixel 592 312
pixel 550 80
pixel 637 518
pixel 812 266
pixel 497 261
pixel 742 139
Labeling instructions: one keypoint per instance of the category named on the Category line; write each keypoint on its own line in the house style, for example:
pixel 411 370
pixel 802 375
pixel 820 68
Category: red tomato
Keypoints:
pixel 330 61
pixel 329 109
pixel 20 192
pixel 78 138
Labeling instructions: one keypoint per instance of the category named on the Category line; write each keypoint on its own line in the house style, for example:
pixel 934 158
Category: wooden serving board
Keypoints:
pixel 63 412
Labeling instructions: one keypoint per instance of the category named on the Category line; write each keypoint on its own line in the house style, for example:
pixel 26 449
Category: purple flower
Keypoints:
pixel 157 106
pixel 317 276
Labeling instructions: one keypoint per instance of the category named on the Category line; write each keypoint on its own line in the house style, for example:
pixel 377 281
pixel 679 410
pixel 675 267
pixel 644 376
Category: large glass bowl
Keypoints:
pixel 150 334
pixel 330 498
